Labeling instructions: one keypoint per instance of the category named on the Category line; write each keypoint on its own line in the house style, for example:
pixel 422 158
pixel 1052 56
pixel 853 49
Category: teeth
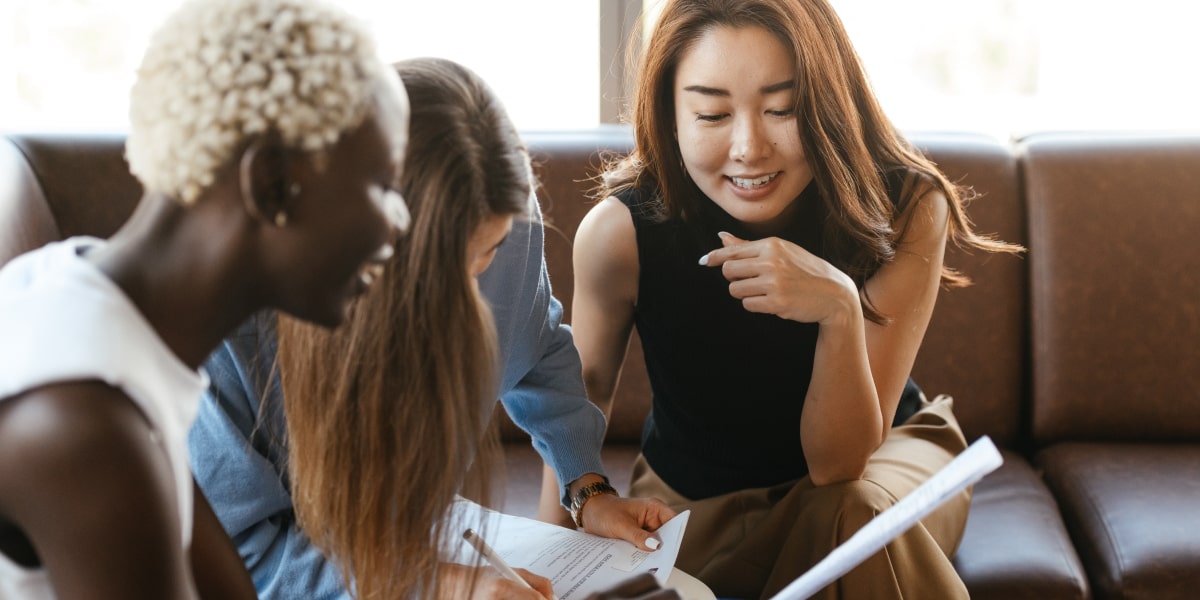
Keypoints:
pixel 753 183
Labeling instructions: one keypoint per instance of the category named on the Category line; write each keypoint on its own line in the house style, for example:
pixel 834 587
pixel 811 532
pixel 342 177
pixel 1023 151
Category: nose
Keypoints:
pixel 749 143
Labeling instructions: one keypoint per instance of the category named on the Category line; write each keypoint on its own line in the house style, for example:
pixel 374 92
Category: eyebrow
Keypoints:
pixel 767 89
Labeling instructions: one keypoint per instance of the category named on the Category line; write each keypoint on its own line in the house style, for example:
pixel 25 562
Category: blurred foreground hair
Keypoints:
pixel 388 414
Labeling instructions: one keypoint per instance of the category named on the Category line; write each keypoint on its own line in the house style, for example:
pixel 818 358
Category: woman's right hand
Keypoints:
pixel 491 585
pixel 778 277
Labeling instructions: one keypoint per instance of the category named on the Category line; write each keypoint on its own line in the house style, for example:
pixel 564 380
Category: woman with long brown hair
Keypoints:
pixel 779 246
pixel 374 430
pixel 387 415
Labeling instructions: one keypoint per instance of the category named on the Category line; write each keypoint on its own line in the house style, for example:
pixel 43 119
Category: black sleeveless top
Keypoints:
pixel 728 385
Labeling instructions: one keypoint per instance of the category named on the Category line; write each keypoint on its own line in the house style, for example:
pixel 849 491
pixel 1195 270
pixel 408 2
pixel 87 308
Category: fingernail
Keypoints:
pixel 652 543
pixel 722 234
pixel 704 260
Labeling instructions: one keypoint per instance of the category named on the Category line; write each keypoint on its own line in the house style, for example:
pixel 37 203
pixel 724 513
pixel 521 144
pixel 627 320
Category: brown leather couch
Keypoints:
pixel 1080 360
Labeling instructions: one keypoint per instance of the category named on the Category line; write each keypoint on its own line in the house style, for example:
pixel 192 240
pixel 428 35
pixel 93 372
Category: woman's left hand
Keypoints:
pixel 777 277
pixel 629 519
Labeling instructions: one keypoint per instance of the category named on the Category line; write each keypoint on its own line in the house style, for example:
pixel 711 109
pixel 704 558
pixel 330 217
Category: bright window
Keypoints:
pixel 998 66
pixel 69 64
pixel 540 56
pixel 1014 66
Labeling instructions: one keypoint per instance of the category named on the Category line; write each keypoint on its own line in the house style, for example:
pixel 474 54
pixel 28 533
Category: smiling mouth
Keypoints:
pixel 757 182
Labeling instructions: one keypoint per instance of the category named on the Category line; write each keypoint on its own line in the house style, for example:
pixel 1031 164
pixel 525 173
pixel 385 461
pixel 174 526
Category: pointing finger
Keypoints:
pixel 728 240
pixel 720 256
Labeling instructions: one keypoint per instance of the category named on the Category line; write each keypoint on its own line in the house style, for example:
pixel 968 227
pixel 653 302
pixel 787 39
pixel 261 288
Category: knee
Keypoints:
pixel 847 505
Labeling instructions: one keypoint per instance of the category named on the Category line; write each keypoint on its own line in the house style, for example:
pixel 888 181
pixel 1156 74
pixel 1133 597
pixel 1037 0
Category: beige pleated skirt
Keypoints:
pixel 752 543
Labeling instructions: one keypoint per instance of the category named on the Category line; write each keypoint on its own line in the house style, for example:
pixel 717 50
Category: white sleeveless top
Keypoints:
pixel 64 320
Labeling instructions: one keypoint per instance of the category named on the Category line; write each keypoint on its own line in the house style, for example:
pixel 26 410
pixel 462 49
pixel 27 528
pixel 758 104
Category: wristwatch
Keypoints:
pixel 585 494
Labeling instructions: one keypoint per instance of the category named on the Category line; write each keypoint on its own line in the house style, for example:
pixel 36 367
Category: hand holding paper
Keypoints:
pixel 627 519
pixel 577 563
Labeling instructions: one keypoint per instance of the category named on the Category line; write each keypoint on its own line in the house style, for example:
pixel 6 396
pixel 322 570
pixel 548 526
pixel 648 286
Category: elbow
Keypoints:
pixel 845 470
pixel 843 462
pixel 600 390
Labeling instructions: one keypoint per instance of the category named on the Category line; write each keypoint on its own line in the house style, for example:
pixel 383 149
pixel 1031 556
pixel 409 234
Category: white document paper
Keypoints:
pixel 576 563
pixel 979 459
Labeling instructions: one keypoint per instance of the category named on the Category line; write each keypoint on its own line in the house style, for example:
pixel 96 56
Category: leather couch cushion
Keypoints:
pixel 1115 293
pixel 974 348
pixel 1133 512
pixel 1015 545
pixel 85 179
pixel 25 220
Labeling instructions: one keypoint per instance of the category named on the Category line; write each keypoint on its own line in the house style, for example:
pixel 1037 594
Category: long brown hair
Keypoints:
pixel 387 414
pixel 850 144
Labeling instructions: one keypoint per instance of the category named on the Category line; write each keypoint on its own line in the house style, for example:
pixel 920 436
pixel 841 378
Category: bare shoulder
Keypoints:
pixel 606 247
pixel 926 217
pixel 609 219
pixel 606 233
pixel 74 427
pixel 83 477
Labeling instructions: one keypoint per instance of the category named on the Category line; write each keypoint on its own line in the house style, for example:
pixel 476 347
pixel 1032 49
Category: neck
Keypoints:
pixel 179 266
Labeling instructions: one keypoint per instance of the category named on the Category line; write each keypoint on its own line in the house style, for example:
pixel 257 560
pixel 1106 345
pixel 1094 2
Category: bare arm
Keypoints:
pixel 606 282
pixel 860 368
pixel 87 483
pixel 606 287
pixel 906 291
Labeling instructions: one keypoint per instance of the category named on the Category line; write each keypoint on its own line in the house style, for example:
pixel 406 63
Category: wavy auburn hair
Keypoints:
pixel 850 144
pixel 387 414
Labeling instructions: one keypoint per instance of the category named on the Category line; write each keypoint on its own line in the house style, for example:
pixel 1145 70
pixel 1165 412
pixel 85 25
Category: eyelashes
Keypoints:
pixel 716 118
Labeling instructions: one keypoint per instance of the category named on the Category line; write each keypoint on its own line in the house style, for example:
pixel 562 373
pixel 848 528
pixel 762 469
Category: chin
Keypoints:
pixel 755 218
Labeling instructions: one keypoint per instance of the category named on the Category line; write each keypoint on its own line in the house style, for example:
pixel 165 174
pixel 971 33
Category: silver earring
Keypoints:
pixel 280 219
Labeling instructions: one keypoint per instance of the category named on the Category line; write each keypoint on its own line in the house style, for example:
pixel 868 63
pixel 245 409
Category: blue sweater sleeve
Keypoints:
pixel 543 387
pixel 238 458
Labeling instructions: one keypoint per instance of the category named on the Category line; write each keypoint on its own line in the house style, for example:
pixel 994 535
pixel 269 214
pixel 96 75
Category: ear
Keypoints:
pixel 263 181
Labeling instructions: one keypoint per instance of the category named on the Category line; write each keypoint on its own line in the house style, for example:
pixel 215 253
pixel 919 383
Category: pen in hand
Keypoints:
pixel 495 560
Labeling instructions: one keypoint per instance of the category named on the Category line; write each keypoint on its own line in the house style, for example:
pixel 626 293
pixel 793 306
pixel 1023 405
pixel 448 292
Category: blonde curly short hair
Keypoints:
pixel 219 72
